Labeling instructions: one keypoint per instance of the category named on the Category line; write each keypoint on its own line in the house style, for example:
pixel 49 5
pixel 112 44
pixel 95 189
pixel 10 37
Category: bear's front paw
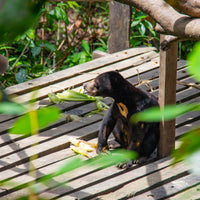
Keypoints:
pixel 140 160
pixel 101 149
pixel 125 165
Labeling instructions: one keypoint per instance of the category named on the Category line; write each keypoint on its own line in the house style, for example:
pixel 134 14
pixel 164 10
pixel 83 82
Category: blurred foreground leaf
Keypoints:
pixel 169 112
pixel 12 108
pixel 45 116
pixel 190 143
pixel 9 107
pixel 16 16
pixel 102 161
pixel 194 62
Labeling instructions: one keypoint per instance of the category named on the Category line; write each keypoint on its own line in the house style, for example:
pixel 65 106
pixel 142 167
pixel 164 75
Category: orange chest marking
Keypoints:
pixel 123 109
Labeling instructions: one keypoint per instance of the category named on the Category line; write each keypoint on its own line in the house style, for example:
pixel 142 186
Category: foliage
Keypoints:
pixel 169 112
pixel 65 36
pixel 44 116
pixel 18 16
pixel 142 30
pixel 194 61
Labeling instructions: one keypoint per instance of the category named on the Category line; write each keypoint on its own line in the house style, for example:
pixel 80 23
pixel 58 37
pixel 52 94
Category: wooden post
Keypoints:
pixel 167 95
pixel 3 64
pixel 119 27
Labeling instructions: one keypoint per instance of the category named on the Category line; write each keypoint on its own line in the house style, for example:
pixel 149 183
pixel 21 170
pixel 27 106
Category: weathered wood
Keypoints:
pixel 78 80
pixel 98 54
pixel 76 70
pixel 133 188
pixel 167 95
pixel 169 189
pixel 191 193
pixel 119 27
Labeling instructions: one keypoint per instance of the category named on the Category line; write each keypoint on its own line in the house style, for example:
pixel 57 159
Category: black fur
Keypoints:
pixel 142 137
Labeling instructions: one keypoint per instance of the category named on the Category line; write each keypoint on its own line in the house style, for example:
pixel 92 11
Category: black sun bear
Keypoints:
pixel 142 137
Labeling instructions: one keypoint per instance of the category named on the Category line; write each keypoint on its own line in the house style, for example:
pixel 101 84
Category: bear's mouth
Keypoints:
pixel 90 89
pixel 91 93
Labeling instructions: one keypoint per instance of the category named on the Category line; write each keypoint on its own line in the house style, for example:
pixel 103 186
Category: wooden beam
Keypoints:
pixel 167 95
pixel 119 27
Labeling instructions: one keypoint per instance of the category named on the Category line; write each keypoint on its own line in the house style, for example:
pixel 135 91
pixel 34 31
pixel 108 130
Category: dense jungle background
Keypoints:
pixel 66 35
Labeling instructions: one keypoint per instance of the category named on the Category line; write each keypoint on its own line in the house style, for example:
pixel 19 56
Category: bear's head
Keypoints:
pixel 106 85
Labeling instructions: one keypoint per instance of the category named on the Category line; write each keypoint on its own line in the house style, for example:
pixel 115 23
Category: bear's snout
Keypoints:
pixel 90 88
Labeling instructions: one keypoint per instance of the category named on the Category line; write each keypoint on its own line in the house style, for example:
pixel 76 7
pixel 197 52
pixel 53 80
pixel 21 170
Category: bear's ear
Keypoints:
pixel 117 70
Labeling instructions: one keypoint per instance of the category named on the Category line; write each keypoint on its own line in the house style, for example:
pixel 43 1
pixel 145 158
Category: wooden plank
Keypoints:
pixel 167 95
pixel 77 70
pixel 53 145
pixel 49 162
pixel 80 79
pixel 81 177
pixel 47 135
pixel 119 26
pixel 170 188
pixel 121 185
pixel 186 127
pixel 144 76
pixel 191 193
pixel 191 93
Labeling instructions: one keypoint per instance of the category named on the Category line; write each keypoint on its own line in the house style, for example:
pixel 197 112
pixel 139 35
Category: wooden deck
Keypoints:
pixel 155 180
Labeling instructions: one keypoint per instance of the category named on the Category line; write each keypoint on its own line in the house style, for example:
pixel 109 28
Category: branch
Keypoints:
pixel 167 41
pixel 22 53
pixel 188 7
pixel 169 19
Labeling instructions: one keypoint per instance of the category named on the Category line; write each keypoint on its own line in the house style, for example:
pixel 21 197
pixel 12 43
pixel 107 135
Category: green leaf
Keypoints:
pixel 148 25
pixel 49 46
pixel 194 62
pixel 21 76
pixel 45 116
pixel 58 13
pixel 18 16
pixel 135 23
pixel 70 165
pixel 86 46
pixel 83 56
pixel 142 29
pixel 37 68
pixel 141 17
pixel 73 4
pixel 31 33
pixel 64 17
pixel 113 157
pixel 169 112
pixel 11 108
pixel 103 160
pixel 190 143
pixel 193 160
pixel 70 95
pixel 35 51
